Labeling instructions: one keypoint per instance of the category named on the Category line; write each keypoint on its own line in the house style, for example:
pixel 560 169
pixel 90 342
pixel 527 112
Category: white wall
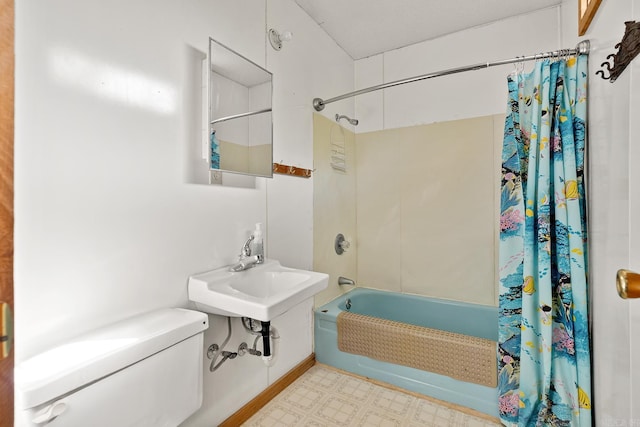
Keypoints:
pixel 309 66
pixel 464 95
pixel 106 224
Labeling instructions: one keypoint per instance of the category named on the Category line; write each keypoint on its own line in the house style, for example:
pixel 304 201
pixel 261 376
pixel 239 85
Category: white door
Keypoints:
pixel 634 239
pixel 634 265
pixel 634 262
pixel 628 286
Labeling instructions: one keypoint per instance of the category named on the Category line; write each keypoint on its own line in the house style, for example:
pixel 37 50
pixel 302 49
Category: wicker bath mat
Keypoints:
pixel 458 356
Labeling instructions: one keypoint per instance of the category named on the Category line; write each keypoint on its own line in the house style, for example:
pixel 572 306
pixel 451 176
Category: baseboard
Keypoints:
pixel 248 410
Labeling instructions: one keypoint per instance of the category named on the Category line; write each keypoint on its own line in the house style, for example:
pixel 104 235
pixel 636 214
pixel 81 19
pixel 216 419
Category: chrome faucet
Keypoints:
pixel 246 248
pixel 245 259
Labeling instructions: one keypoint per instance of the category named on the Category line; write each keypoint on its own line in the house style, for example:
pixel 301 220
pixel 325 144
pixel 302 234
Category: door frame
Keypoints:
pixel 7 66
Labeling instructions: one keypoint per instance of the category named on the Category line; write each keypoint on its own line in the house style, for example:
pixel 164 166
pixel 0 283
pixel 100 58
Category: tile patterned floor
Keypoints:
pixel 327 397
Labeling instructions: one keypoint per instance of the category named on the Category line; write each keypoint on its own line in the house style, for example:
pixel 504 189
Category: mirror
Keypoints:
pixel 240 126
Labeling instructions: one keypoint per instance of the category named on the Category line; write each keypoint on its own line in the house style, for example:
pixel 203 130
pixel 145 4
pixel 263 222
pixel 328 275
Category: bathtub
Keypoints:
pixel 458 317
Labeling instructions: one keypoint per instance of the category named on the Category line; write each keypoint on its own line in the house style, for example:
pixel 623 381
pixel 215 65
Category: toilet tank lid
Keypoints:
pixel 102 352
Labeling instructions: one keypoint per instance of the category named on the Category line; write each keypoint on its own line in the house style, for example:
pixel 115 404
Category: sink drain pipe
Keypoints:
pixel 266 341
pixel 265 331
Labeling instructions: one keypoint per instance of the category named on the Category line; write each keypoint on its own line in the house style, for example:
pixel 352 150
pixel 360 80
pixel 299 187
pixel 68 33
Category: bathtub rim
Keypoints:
pixel 338 304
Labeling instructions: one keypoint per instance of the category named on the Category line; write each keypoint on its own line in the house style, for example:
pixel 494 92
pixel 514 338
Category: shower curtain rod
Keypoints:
pixel 581 48
pixel 237 116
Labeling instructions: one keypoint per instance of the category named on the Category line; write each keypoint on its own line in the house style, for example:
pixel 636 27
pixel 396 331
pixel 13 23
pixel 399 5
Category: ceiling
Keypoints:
pixel 368 27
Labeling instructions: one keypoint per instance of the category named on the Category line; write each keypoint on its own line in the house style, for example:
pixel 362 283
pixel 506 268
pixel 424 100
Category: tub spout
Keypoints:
pixel 345 281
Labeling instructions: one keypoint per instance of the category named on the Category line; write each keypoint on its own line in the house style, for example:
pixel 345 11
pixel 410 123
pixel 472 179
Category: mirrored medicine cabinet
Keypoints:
pixel 240 135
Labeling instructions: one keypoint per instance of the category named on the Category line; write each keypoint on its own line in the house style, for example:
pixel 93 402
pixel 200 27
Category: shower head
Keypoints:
pixel 353 122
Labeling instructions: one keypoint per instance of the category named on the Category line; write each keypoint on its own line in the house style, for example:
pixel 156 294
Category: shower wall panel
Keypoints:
pixel 427 211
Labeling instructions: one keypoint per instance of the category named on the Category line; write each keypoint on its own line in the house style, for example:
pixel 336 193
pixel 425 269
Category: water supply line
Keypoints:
pixel 254 327
pixel 260 329
pixel 214 351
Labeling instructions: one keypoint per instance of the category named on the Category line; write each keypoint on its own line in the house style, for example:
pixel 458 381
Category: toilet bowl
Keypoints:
pixel 146 370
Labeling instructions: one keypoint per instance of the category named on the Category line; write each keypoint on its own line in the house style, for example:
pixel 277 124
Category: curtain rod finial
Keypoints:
pixel 583 47
pixel 318 104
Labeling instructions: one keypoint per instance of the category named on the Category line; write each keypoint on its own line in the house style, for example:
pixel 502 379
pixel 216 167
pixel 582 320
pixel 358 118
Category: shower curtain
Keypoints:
pixel 543 346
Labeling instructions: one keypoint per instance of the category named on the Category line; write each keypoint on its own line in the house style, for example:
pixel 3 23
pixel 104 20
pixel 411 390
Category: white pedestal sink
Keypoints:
pixel 262 292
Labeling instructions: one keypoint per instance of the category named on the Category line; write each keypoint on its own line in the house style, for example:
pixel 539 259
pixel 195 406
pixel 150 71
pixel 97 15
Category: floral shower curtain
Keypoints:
pixel 543 350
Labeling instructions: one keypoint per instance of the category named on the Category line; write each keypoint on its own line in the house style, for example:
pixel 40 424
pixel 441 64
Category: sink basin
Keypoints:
pixel 262 292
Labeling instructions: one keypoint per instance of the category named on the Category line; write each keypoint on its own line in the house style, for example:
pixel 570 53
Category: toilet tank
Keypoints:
pixel 142 371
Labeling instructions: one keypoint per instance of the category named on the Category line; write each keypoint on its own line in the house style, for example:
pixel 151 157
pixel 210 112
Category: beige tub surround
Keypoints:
pixel 334 206
pixel 427 208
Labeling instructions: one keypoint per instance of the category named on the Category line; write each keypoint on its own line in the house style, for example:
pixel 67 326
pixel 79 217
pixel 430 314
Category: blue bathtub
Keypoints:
pixel 463 318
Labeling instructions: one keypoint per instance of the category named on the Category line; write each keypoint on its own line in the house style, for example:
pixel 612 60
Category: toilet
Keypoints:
pixel 146 370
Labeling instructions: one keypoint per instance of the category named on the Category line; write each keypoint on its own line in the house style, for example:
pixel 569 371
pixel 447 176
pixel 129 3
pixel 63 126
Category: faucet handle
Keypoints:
pixel 246 248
